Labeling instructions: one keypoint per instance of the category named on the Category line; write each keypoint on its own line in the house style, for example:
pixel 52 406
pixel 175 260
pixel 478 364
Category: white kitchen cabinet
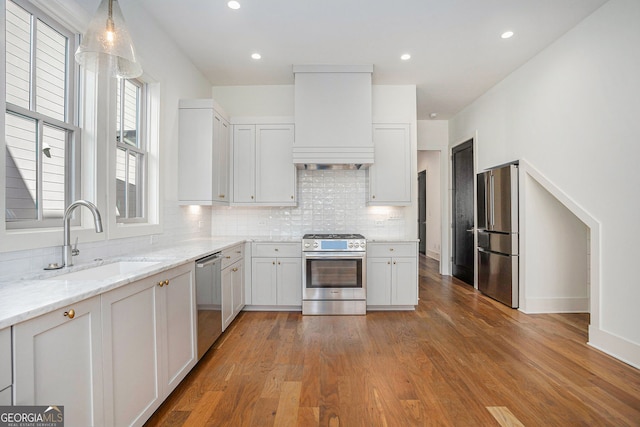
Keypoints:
pixel 390 175
pixel 392 274
pixel 276 274
pixel 58 360
pixel 232 284
pixel 5 366
pixel 263 170
pixel 203 154
pixel 149 344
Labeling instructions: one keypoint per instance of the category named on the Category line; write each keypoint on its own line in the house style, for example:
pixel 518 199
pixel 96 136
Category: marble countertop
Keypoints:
pixel 28 297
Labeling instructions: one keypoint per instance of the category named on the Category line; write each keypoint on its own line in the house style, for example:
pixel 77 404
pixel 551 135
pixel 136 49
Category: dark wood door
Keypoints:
pixel 422 212
pixel 463 224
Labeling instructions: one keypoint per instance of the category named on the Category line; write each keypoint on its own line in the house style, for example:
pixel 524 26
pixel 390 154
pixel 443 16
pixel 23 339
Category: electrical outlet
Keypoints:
pixel 262 223
pixel 379 223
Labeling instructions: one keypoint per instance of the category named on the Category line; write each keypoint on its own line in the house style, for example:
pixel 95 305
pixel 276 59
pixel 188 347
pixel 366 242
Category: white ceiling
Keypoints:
pixel 456 50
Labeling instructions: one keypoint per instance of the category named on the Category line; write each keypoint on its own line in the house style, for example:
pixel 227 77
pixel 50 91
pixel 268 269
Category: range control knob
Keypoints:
pixel 315 244
pixel 351 244
pixel 362 244
pixel 306 245
pixel 355 245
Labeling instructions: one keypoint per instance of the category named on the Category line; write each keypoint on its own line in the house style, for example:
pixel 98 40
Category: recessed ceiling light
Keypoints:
pixel 507 35
pixel 256 55
pixel 405 57
pixel 233 4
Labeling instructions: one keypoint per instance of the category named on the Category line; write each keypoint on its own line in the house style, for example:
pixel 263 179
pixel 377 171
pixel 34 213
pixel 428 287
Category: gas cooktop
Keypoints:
pixel 332 236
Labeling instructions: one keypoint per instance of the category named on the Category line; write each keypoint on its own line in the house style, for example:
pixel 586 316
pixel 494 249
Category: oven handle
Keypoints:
pixel 334 255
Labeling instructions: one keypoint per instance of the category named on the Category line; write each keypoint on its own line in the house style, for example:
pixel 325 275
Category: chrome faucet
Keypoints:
pixel 67 252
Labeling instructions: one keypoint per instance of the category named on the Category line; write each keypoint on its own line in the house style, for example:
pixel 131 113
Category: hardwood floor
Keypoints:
pixel 461 359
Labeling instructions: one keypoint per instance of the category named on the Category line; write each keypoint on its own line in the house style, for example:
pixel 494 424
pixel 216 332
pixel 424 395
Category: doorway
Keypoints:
pixel 462 212
pixel 422 212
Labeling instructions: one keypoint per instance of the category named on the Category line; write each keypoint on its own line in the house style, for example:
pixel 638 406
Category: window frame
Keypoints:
pixel 141 150
pixel 73 143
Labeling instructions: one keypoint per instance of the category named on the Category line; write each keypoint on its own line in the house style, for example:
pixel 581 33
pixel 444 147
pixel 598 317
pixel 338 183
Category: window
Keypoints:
pixel 131 151
pixel 42 141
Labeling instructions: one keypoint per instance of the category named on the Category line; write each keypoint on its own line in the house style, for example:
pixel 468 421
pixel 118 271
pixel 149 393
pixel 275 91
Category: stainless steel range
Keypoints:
pixel 334 274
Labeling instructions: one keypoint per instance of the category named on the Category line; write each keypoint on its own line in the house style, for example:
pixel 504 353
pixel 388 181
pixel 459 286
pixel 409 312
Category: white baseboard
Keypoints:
pixel 555 305
pixel 433 255
pixel 620 348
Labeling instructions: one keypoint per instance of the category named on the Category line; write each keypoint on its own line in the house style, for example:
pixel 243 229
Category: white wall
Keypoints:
pixel 572 113
pixel 328 201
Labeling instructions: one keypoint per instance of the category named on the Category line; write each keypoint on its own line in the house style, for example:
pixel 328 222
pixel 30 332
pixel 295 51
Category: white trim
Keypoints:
pixel 67 12
pixel 556 305
pixel 433 255
pixel 615 346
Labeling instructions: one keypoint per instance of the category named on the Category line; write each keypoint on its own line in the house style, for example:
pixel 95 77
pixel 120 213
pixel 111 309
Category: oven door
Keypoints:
pixel 334 276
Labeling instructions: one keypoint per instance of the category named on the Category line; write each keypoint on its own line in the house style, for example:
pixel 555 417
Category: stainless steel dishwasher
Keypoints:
pixel 208 301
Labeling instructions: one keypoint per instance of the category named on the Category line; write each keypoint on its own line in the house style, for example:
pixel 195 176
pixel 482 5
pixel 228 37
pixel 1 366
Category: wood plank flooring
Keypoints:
pixel 461 359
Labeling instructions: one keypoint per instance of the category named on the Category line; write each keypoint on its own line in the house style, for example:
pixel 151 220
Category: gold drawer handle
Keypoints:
pixel 70 314
pixel 161 283
pixel 234 269
pixel 166 282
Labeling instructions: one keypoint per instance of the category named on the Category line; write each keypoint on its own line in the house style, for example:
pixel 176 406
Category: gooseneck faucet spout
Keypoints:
pixel 67 252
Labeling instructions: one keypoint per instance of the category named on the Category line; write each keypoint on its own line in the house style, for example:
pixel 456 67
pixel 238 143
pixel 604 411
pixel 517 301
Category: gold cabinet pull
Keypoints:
pixel 70 314
pixel 221 196
pixel 251 197
pixel 388 262
pixel 234 269
pixel 161 283
pixel 274 263
pixel 391 249
pixel 291 197
pixel 373 197
pixel 166 282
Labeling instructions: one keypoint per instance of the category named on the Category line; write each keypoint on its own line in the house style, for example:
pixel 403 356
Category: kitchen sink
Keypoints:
pixel 106 271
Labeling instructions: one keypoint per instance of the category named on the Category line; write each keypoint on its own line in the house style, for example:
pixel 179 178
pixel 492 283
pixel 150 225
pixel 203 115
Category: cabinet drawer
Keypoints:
pixel 231 255
pixel 392 249
pixel 292 250
pixel 5 358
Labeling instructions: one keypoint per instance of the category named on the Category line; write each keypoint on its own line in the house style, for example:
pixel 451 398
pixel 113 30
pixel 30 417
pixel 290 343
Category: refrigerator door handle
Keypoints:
pixel 492 218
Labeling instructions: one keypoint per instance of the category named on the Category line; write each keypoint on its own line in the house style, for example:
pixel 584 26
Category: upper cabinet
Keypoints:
pixel 263 170
pixel 204 141
pixel 390 174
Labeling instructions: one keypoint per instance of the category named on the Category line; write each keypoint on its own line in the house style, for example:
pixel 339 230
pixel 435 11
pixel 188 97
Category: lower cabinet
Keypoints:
pixel 232 292
pixel 58 360
pixel 276 271
pixel 392 274
pixel 149 330
pixel 5 367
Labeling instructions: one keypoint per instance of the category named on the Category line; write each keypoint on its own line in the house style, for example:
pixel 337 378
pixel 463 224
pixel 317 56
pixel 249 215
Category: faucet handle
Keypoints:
pixel 75 251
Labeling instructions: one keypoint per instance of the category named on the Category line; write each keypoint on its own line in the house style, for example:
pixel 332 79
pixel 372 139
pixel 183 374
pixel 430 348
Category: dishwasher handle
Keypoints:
pixel 211 259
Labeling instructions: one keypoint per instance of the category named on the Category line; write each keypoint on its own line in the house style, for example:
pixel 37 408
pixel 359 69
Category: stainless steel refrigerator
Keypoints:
pixel 498 233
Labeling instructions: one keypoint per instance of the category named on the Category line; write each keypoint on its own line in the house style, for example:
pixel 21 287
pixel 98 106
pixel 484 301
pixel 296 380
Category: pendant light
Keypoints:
pixel 107 41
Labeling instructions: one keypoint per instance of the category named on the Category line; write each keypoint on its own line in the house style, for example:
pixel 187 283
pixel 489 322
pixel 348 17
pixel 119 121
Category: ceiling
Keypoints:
pixel 456 50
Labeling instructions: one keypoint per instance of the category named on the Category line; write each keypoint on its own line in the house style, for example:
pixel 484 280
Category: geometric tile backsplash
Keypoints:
pixel 328 201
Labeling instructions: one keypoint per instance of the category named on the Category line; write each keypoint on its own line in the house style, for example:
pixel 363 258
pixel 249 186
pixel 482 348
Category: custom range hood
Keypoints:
pixel 333 117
